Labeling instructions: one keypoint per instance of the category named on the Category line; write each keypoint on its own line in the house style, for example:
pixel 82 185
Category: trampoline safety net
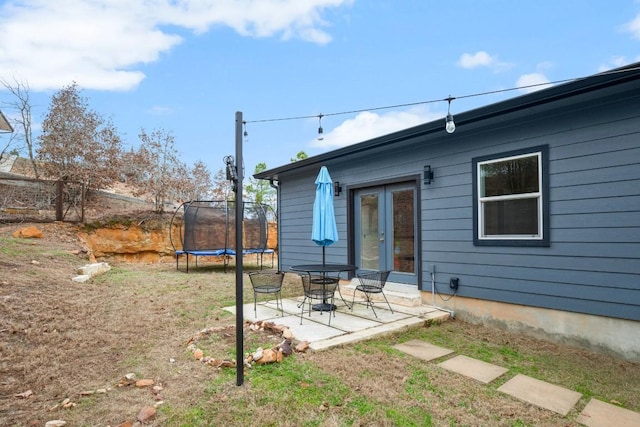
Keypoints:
pixel 211 225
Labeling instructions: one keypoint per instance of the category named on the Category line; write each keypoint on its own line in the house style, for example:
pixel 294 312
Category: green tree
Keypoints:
pixel 259 190
pixel 300 156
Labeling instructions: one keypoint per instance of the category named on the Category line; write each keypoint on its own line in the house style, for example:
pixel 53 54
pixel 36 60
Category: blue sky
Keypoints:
pixel 188 66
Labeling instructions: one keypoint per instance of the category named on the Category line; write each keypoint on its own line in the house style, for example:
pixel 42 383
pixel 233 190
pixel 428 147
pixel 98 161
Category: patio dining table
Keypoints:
pixel 325 274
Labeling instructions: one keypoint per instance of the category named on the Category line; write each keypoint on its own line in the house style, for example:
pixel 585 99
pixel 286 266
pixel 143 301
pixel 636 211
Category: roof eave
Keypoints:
pixel 538 98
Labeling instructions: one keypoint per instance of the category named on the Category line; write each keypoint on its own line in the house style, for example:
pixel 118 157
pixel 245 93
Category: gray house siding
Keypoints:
pixel 592 262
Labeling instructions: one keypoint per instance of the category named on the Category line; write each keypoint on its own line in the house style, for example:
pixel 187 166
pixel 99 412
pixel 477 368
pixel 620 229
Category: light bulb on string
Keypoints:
pixel 450 125
pixel 320 130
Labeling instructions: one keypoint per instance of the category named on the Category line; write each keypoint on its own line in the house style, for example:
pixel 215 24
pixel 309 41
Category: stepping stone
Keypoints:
pixel 540 393
pixel 601 414
pixel 422 350
pixel 473 368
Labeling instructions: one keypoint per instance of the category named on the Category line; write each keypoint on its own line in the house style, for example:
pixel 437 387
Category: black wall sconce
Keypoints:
pixel 428 174
pixel 337 189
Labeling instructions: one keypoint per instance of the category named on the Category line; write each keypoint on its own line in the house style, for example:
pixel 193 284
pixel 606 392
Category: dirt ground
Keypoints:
pixel 65 340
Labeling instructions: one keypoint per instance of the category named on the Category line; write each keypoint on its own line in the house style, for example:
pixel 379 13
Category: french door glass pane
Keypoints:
pixel 369 232
pixel 403 231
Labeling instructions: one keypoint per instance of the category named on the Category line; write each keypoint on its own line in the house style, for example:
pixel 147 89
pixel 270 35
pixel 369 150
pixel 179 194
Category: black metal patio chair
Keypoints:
pixel 267 282
pixel 319 289
pixel 372 282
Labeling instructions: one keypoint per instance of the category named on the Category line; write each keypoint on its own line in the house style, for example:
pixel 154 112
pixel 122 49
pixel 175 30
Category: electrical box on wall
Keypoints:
pixel 454 282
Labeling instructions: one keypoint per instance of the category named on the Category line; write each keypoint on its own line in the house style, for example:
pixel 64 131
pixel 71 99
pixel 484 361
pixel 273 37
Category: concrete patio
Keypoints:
pixel 348 325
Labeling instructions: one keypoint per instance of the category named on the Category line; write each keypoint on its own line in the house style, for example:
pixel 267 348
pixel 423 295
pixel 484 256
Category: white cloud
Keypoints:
pixel 633 27
pixel 528 83
pixel 159 110
pixel 368 125
pixel 478 59
pixel 482 59
pixel 98 43
pixel 616 62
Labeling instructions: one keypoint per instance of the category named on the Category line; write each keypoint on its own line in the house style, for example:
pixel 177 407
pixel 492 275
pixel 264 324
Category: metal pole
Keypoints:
pixel 239 250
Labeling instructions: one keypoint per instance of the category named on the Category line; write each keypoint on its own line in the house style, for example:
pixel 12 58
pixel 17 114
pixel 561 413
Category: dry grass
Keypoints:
pixel 59 338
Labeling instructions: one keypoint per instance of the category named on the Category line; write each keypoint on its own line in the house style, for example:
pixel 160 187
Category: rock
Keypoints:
pixel 31 232
pixel 94 269
pixel 147 413
pixel 198 354
pixel 127 423
pixel 302 346
pixel 146 382
pixel 130 377
pixel 257 355
pixel 269 356
pixel 24 394
pixel 285 347
pixel 226 364
pixel 81 278
pixel 156 389
pixel 128 243
pixel 287 334
pixel 55 423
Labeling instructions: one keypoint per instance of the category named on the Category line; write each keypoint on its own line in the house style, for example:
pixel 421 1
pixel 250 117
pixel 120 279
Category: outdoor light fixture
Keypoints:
pixel 245 133
pixel 337 189
pixel 449 126
pixel 428 174
pixel 232 172
pixel 320 131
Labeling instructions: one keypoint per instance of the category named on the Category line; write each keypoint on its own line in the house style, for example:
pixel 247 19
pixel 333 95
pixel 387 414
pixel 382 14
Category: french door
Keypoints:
pixel 386 230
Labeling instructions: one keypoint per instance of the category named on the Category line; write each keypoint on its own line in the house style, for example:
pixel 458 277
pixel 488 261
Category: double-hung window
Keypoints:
pixel 511 198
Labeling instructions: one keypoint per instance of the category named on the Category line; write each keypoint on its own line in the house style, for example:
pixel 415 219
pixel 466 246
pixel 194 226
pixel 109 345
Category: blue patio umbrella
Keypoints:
pixel 324 231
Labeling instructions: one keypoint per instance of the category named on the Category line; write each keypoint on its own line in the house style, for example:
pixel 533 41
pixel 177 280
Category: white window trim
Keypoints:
pixel 536 195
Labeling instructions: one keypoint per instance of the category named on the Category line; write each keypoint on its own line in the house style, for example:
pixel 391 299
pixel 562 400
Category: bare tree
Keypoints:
pixel 8 147
pixel 22 104
pixel 200 182
pixel 222 187
pixel 77 144
pixel 163 175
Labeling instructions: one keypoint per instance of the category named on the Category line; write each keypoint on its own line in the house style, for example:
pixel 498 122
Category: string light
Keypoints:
pixel 449 125
pixel 448 99
pixel 320 131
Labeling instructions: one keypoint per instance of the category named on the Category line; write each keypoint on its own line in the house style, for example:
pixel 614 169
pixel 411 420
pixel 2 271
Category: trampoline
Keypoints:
pixel 208 228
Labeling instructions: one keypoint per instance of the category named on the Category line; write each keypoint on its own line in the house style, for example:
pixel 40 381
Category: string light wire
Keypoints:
pixel 433 101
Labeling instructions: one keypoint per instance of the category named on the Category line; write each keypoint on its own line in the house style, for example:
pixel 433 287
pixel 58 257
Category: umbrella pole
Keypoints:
pixel 323 249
